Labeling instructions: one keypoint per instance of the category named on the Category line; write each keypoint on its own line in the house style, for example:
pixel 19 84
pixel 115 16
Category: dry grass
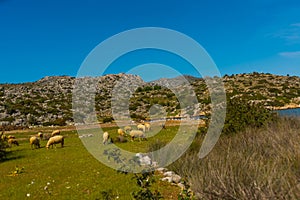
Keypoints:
pixel 256 164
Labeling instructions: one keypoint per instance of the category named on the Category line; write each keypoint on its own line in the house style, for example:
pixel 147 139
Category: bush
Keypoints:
pixel 241 114
pixel 107 119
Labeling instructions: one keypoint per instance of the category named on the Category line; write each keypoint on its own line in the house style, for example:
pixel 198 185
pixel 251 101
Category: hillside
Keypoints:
pixel 48 101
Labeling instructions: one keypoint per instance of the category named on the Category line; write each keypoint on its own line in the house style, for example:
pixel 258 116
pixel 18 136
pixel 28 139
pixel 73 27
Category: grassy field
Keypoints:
pixel 258 163
pixel 70 172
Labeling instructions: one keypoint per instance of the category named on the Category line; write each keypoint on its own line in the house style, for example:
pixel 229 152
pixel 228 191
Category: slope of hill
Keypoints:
pixel 49 100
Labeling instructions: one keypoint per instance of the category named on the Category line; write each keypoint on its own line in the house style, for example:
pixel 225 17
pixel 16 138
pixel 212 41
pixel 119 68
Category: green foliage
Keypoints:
pixel 157 87
pixel 186 193
pixel 241 114
pixel 144 181
pixel 56 122
pixel 107 119
pixel 17 171
pixel 8 119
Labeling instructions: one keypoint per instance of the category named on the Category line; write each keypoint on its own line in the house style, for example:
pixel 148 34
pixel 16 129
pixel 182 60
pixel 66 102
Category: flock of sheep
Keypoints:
pixel 133 133
pixel 54 138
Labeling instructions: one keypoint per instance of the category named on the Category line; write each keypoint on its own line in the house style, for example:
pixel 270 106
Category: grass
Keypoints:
pixel 259 163
pixel 254 164
pixel 70 172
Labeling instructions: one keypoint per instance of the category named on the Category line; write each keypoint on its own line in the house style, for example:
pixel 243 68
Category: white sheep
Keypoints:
pixel 55 140
pixel 3 137
pixel 105 137
pixel 40 135
pixel 147 126
pixel 127 129
pixel 34 141
pixel 121 132
pixel 11 137
pixel 141 127
pixel 137 134
pixel 12 141
pixel 55 132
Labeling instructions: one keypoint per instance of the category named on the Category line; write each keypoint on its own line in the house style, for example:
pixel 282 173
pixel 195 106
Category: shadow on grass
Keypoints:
pixel 9 156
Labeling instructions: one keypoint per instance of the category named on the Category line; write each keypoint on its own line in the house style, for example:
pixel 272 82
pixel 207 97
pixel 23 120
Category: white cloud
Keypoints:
pixel 291 34
pixel 295 24
pixel 290 54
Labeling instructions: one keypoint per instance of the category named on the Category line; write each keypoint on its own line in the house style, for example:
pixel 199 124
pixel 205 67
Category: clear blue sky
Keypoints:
pixel 45 38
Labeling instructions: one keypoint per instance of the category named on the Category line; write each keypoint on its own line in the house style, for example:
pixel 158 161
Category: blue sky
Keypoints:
pixel 45 38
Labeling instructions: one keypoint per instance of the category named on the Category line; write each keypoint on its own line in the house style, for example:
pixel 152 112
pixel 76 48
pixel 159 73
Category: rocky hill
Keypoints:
pixel 49 100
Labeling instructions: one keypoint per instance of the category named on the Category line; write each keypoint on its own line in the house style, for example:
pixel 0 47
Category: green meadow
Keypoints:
pixel 72 172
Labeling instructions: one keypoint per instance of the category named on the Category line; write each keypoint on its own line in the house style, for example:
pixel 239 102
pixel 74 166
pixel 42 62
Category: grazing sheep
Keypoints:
pixel 40 135
pixel 147 126
pixel 137 134
pixel 11 137
pixel 105 137
pixel 121 132
pixel 120 139
pixel 127 129
pixel 34 141
pixel 12 141
pixel 55 140
pixel 3 137
pixel 55 132
pixel 141 127
pixel 46 136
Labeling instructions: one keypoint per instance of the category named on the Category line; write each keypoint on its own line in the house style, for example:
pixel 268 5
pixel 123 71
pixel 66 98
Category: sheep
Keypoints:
pixel 3 137
pixel 121 132
pixel 12 141
pixel 137 134
pixel 11 137
pixel 120 139
pixel 141 127
pixel 46 136
pixel 147 126
pixel 34 141
pixel 55 140
pixel 55 132
pixel 105 137
pixel 40 135
pixel 127 129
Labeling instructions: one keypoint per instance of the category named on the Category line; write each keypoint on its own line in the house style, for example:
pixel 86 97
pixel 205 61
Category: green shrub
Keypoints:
pixel 241 114
pixel 107 119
